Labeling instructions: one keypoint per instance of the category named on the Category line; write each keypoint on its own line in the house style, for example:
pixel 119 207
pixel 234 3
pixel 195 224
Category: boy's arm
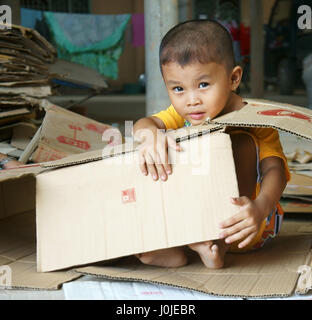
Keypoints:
pixel 149 122
pixel 246 224
pixel 273 183
pixel 153 151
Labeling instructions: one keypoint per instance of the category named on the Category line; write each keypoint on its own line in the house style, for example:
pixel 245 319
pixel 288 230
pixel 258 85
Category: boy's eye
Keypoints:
pixel 203 84
pixel 178 89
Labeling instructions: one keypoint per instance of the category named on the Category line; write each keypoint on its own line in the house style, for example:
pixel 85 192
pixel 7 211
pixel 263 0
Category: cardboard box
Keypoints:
pixel 75 226
pixel 128 212
pixel 64 133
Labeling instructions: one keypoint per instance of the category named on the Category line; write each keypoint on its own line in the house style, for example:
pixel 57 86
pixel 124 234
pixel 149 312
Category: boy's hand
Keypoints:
pixel 153 154
pixel 245 224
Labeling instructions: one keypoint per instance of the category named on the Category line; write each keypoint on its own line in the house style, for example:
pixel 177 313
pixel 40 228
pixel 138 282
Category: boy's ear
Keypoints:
pixel 236 77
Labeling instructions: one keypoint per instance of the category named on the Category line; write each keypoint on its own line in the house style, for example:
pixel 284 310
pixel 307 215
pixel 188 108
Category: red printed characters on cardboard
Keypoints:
pixel 96 128
pixel 284 112
pixel 74 141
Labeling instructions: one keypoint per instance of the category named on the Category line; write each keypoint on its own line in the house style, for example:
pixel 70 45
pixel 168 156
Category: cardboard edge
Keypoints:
pixel 57 286
pixel 304 282
pixel 177 286
pixel 257 125
pixel 126 148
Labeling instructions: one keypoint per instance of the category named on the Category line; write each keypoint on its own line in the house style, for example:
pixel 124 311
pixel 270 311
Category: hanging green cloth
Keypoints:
pixel 95 41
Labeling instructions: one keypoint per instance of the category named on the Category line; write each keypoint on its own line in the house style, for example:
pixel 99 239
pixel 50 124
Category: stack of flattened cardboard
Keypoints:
pixel 297 196
pixel 24 73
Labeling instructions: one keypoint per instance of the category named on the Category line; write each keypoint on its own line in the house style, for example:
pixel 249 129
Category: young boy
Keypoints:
pixel 199 71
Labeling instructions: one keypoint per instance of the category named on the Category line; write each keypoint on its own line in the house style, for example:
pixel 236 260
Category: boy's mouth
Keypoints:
pixel 197 115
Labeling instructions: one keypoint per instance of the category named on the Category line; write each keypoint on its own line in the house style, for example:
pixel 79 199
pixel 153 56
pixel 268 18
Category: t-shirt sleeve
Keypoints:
pixel 170 118
pixel 270 146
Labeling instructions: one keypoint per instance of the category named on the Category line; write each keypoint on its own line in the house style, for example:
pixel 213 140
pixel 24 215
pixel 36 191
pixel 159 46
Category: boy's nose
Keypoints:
pixel 193 100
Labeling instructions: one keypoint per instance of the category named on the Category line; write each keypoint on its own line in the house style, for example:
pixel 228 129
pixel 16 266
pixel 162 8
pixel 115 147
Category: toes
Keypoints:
pixel 200 246
pixel 215 249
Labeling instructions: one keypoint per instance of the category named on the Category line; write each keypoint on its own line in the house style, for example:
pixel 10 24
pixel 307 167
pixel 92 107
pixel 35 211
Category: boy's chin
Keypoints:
pixel 198 122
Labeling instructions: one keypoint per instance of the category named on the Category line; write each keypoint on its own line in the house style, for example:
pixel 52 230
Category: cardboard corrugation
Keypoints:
pixel 261 113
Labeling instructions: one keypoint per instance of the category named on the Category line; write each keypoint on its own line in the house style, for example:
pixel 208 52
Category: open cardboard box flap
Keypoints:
pixel 78 224
pixel 64 133
pixel 262 113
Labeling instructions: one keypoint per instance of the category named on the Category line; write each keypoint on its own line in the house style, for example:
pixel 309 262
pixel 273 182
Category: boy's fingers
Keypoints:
pixel 161 172
pixel 142 164
pixel 151 166
pixel 172 144
pixel 160 168
pixel 168 168
pixel 231 221
pixel 239 235
pixel 232 230
pixel 246 241
pixel 164 160
pixel 153 171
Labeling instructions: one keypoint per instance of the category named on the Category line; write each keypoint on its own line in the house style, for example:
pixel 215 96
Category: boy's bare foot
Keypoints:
pixel 212 252
pixel 170 258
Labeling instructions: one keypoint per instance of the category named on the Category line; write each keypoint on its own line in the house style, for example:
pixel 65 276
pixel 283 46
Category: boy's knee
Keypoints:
pixel 146 258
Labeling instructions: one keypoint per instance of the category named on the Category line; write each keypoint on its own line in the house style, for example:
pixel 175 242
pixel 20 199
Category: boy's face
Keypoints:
pixel 198 91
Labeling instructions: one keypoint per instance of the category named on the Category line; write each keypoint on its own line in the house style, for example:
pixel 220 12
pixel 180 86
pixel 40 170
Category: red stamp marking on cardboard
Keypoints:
pixel 73 141
pixel 76 128
pixel 128 195
pixel 96 128
pixel 284 112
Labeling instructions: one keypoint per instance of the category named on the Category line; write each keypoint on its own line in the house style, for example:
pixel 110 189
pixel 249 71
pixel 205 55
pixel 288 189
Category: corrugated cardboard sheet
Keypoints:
pixel 65 133
pixel 297 196
pixel 24 59
pixel 130 213
pixel 268 272
pixel 18 252
pixel 262 113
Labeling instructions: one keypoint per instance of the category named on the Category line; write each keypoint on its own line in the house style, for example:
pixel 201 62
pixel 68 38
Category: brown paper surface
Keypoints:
pixel 64 133
pixel 130 213
pixel 268 272
pixel 18 256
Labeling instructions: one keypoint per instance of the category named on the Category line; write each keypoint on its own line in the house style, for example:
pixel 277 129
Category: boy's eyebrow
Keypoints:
pixel 172 82
pixel 202 77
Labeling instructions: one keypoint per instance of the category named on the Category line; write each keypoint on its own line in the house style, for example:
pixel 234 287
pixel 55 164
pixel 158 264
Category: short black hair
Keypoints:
pixel 201 41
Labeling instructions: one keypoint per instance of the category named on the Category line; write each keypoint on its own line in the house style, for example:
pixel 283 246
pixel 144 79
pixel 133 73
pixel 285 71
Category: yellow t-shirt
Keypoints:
pixel 267 138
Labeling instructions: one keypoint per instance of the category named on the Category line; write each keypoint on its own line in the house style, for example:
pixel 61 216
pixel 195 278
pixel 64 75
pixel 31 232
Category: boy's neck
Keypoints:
pixel 234 103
